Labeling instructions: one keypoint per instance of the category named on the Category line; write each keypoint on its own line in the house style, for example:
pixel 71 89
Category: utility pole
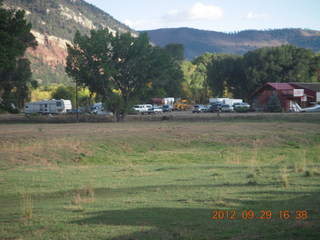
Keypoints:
pixel 77 102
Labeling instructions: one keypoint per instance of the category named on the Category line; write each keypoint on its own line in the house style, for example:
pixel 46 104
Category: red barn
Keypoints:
pixel 310 89
pixel 290 95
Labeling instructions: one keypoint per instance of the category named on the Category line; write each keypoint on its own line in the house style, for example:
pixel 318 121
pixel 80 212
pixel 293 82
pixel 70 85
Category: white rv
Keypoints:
pixel 48 107
pixel 228 101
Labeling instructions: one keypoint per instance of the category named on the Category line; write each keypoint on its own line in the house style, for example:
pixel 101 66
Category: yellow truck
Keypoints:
pixel 181 105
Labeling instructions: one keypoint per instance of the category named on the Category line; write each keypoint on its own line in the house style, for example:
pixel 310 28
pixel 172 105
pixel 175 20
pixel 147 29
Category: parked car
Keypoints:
pixel 167 108
pixel 216 107
pixel 199 108
pixel 241 105
pixel 227 108
pixel 152 110
pixel 315 108
pixel 205 109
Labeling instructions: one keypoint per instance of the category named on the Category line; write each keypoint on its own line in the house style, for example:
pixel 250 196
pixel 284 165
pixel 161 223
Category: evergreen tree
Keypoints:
pixel 274 104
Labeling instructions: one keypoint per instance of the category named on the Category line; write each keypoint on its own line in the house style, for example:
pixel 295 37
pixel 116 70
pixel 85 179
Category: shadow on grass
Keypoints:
pixel 165 223
pixel 197 223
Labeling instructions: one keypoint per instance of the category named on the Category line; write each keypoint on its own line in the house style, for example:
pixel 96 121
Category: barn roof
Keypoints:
pixel 281 86
pixel 312 86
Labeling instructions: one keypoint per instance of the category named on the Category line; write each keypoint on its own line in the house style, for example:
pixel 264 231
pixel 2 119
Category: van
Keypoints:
pixel 142 107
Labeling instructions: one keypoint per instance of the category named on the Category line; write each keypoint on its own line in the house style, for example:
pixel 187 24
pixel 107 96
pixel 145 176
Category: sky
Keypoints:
pixel 214 15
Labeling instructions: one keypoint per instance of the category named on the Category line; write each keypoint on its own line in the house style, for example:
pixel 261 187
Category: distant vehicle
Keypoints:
pixel 153 110
pixel 95 108
pixel 315 108
pixel 241 105
pixel 199 109
pixel 156 110
pixel 167 108
pixel 48 107
pixel 181 105
pixel 216 107
pixel 142 108
pixel 229 101
pixel 226 108
pixel 205 109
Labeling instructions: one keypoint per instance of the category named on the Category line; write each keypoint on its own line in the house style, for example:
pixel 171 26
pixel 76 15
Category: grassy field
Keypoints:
pixel 162 180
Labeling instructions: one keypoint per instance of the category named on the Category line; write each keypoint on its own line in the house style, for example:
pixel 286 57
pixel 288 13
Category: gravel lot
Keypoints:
pixel 173 116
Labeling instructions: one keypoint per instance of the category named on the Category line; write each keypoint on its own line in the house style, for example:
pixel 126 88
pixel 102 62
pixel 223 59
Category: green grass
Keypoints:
pixel 159 180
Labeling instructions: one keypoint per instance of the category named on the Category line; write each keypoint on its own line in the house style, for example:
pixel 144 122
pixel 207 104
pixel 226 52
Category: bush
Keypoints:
pixel 8 108
pixel 242 109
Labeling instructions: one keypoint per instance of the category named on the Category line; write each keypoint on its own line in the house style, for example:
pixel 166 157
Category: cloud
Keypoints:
pixel 252 15
pixel 198 11
pixel 178 18
pixel 144 24
pixel 135 24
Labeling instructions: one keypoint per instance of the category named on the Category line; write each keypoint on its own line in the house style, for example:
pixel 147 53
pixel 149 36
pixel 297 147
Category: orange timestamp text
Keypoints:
pixel 263 214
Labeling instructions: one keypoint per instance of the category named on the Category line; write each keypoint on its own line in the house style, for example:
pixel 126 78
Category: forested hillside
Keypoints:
pixel 197 42
pixel 54 24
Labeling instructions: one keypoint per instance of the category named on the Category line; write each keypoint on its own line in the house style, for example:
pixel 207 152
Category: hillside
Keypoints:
pixel 56 21
pixel 197 42
pixel 54 24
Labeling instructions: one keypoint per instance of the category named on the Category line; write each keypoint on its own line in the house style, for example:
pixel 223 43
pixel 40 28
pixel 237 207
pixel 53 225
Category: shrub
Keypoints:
pixel 242 109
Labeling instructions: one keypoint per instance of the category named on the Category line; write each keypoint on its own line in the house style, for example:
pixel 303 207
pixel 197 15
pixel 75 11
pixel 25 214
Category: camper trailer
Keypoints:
pixel 48 107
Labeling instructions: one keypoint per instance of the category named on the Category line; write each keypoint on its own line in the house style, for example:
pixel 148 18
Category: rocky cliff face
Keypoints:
pixel 51 49
pixel 54 25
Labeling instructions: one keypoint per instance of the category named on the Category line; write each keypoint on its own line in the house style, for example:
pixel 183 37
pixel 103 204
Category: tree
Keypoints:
pixel 167 75
pixel 176 51
pixel 225 76
pixel 274 104
pixel 286 63
pixel 202 62
pixel 89 62
pixel 124 65
pixel 193 85
pixel 238 76
pixel 15 72
pixel 65 92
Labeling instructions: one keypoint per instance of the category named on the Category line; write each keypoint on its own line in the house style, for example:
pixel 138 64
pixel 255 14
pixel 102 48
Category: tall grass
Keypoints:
pixel 26 203
pixel 284 179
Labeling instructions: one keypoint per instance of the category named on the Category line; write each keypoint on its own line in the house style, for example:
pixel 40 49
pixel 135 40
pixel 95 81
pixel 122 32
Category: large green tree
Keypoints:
pixel 286 63
pixel 121 69
pixel 15 73
pixel 89 61
pixel 226 76
pixel 238 76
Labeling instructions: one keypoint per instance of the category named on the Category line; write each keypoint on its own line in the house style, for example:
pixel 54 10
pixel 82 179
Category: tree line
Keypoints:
pixel 238 76
pixel 122 70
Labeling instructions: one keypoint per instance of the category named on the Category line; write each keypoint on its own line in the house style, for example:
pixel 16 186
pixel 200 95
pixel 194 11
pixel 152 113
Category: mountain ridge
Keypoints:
pixel 56 21
pixel 198 41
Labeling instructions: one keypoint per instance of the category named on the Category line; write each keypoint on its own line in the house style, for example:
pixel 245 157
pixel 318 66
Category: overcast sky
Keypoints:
pixel 216 15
